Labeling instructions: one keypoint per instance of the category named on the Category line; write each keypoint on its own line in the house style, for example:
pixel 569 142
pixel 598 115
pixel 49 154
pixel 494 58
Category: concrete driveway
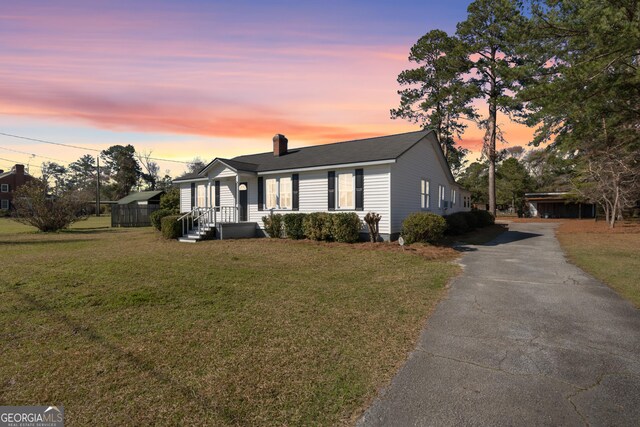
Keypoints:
pixel 523 338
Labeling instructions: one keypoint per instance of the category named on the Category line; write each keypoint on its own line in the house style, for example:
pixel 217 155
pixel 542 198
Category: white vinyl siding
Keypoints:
pixel 422 161
pixel 313 194
pixel 185 197
pixel 425 196
pixel 345 191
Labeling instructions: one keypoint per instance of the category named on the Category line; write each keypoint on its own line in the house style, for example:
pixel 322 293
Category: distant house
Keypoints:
pixel 9 183
pixel 134 210
pixel 558 205
pixel 392 175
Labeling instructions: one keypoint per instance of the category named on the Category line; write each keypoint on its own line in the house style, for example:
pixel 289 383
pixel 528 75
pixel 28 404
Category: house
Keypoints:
pixel 134 210
pixel 558 205
pixel 391 175
pixel 9 182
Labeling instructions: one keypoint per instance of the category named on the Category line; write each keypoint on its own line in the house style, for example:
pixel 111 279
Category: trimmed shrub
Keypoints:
pixel 317 226
pixel 345 227
pixel 273 225
pixel 484 218
pixel 472 220
pixel 457 223
pixel 171 228
pixel 294 225
pixel 423 227
pixel 156 217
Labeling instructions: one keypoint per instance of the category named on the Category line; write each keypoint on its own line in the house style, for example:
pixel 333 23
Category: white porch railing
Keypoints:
pixel 199 220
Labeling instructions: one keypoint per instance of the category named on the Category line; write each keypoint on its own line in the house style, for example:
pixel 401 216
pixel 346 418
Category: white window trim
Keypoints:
pixel 453 197
pixel 442 194
pixel 4 204
pixel 426 194
pixel 4 188
pixel 353 191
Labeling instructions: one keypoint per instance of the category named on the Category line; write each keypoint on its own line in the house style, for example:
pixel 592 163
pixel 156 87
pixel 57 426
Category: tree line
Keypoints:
pixel 567 68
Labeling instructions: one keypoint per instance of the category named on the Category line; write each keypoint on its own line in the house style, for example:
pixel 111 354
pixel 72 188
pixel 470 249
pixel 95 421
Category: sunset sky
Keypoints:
pixel 207 78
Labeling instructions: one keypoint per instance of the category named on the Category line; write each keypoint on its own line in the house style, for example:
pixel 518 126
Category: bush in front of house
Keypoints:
pixel 170 200
pixel 171 228
pixel 156 217
pixel 458 223
pixel 273 225
pixel 484 218
pixel 423 227
pixel 317 226
pixel 294 225
pixel 345 227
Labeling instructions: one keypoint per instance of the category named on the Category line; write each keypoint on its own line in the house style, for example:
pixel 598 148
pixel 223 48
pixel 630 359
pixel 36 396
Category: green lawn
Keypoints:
pixel 125 328
pixel 611 256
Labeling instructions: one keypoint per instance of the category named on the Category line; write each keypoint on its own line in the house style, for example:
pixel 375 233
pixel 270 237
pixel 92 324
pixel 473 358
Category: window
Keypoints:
pixel 441 201
pixel 285 193
pixel 453 197
pixel 272 193
pixel 4 204
pixel 425 202
pixel 4 188
pixel 279 193
pixel 201 195
pixel 345 191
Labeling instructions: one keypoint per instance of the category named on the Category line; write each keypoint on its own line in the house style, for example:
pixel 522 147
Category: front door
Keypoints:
pixel 242 201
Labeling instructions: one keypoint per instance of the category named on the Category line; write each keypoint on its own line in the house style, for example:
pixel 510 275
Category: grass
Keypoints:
pixel 609 255
pixel 125 328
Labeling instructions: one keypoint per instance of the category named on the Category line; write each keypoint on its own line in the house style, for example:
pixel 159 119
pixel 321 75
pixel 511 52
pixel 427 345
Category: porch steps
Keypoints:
pixel 194 236
pixel 221 231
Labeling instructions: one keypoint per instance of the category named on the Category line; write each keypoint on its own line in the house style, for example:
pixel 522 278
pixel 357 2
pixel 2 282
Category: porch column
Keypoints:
pixel 207 194
pixel 235 214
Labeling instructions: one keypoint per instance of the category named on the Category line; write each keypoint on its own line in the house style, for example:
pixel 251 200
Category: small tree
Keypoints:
pixel 34 207
pixel 373 219
pixel 170 200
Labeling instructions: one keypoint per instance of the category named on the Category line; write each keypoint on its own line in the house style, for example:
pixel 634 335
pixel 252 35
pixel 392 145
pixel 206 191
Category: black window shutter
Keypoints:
pixel 359 189
pixel 217 196
pixel 193 195
pixel 332 191
pixel 295 202
pixel 260 193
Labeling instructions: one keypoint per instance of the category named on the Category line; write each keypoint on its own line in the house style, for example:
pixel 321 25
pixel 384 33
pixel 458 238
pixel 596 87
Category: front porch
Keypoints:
pixel 214 223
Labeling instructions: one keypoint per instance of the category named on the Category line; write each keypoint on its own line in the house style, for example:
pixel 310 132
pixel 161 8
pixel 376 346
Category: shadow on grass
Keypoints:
pixel 97 230
pixel 139 363
pixel 40 242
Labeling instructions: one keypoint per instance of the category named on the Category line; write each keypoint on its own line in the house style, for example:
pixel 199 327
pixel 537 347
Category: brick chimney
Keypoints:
pixel 279 145
pixel 19 171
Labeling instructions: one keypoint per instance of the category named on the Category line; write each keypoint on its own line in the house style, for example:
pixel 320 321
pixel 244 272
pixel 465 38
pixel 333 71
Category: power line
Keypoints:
pixel 49 142
pixel 16 162
pixel 33 155
pixel 80 148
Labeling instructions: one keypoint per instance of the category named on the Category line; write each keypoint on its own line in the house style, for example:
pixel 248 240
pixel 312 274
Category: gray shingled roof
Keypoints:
pixel 357 151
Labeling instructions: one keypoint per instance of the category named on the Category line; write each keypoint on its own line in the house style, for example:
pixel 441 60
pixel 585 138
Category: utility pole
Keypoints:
pixel 98 185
